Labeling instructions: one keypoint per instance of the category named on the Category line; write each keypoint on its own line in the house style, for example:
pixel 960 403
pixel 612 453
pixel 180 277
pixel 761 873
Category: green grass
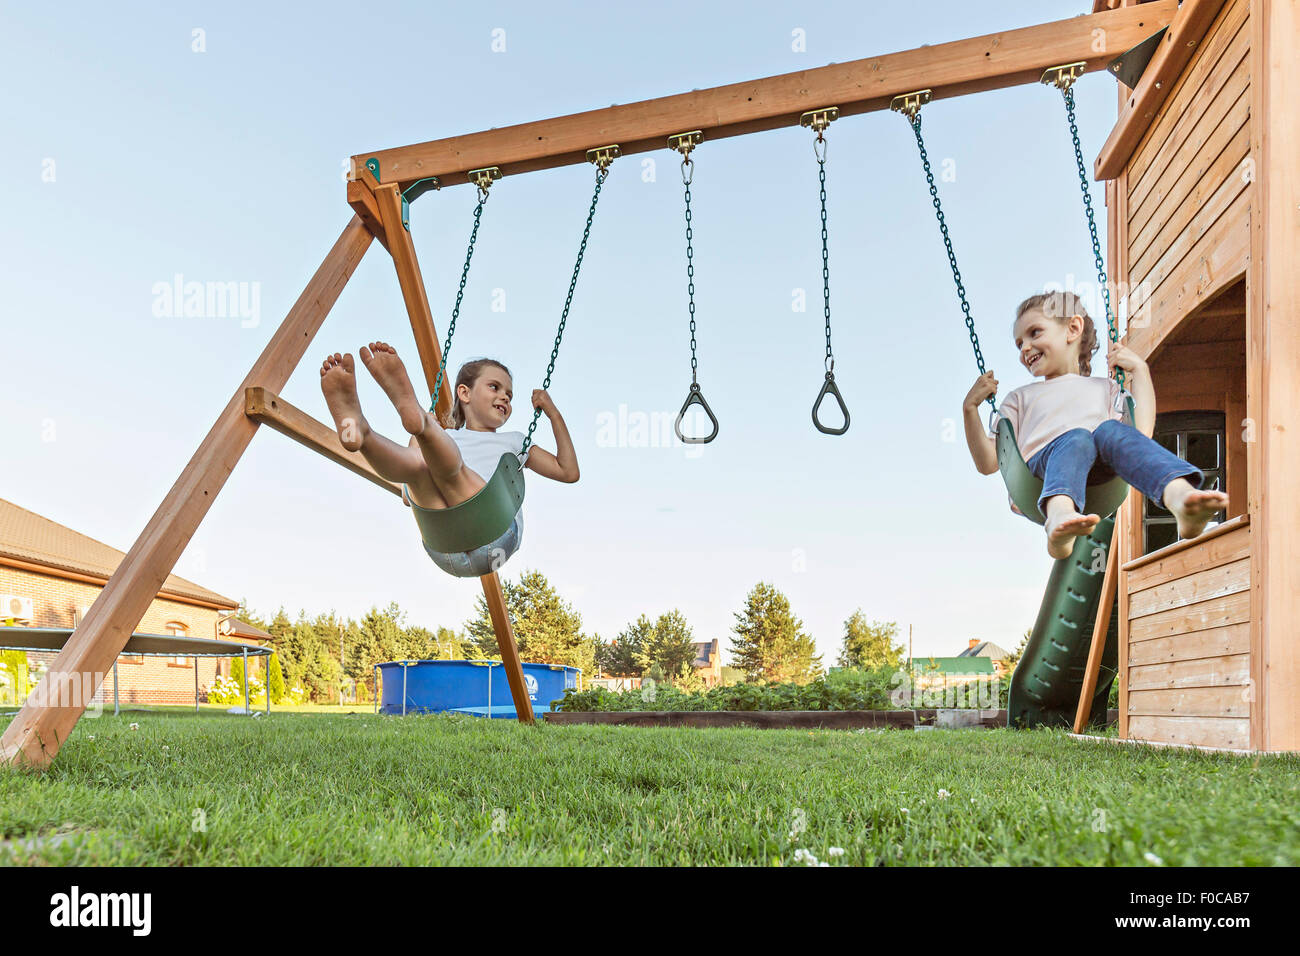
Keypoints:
pixel 307 789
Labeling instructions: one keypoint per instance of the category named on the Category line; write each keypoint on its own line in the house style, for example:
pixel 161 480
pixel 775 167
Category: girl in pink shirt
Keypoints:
pixel 1069 426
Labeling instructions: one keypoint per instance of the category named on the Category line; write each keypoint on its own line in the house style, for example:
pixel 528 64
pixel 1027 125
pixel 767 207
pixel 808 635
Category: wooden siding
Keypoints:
pixel 1186 202
pixel 1187 668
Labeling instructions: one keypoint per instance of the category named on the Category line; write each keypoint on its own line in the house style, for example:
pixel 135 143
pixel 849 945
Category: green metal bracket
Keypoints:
pixel 414 192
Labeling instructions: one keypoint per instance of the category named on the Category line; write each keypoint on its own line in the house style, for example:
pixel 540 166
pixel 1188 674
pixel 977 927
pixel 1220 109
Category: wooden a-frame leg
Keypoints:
pixel 426 342
pixel 1101 625
pixel 40 728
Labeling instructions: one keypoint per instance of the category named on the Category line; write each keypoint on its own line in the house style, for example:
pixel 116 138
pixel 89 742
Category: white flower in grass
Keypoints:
pixel 944 794
pixel 1153 859
pixel 135 726
pixel 835 851
pixel 91 737
pixel 805 857
pixel 902 809
pixel 165 748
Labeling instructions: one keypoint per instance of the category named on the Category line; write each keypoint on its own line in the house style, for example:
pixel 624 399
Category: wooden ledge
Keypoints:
pixel 1180 43
pixel 1229 526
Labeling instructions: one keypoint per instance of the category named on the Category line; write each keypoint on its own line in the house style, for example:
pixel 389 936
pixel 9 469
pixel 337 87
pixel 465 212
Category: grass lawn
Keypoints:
pixel 313 789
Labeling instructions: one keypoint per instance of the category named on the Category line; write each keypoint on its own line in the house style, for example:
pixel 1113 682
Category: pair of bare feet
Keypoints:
pixel 1191 507
pixel 339 383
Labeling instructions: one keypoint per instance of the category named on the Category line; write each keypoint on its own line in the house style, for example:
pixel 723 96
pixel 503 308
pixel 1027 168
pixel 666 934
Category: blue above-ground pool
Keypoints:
pixel 468 687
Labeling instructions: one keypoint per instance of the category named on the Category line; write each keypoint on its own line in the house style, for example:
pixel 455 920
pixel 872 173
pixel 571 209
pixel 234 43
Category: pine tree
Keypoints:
pixel 668 644
pixel 870 646
pixel 770 643
pixel 547 629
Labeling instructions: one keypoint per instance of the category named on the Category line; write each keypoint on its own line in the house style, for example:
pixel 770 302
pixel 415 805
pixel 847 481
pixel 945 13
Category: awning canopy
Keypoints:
pixel 153 645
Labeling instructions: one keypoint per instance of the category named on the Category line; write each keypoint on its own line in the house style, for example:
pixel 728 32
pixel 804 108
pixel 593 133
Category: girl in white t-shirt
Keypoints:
pixel 1069 427
pixel 442 467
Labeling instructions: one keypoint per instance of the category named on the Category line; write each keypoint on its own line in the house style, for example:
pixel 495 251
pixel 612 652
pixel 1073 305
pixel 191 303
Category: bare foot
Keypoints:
pixel 1195 509
pixel 338 381
pixel 1064 528
pixel 382 361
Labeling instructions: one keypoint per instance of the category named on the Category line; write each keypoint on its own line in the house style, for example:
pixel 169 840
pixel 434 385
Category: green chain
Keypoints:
pixel 601 173
pixel 952 256
pixel 826 263
pixel 1112 330
pixel 460 295
pixel 687 176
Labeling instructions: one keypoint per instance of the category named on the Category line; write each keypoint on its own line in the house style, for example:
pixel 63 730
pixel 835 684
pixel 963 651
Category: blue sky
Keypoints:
pixel 132 159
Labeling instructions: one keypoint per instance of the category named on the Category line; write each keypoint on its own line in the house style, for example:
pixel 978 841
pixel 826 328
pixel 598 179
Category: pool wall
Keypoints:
pixel 470 687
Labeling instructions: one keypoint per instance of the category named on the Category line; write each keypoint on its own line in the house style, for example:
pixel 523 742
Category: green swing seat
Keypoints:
pixel 479 520
pixel 1102 499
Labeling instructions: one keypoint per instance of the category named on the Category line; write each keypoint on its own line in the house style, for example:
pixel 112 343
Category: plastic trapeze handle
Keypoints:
pixel 830 389
pixel 696 397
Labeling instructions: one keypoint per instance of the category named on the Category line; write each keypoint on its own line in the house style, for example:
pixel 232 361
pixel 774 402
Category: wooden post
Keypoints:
pixel 426 340
pixel 1101 624
pixel 413 294
pixel 1273 375
pixel 496 603
pixel 40 728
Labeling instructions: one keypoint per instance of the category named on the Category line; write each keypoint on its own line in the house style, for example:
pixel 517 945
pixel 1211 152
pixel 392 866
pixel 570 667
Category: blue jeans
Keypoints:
pixel 1069 462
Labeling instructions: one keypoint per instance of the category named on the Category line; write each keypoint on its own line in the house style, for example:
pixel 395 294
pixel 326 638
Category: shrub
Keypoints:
pixel 842 690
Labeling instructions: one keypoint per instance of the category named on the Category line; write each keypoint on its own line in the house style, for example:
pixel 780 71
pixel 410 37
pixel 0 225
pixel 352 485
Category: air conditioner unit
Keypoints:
pixel 17 607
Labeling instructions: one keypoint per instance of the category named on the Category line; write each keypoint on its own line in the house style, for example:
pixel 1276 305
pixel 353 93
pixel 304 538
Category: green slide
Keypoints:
pixel 1046 683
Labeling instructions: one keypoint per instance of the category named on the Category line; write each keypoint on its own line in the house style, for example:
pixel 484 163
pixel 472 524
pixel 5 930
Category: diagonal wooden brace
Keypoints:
pixel 34 736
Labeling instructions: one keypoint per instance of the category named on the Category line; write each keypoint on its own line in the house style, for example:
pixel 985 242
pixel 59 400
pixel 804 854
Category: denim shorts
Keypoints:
pixel 483 560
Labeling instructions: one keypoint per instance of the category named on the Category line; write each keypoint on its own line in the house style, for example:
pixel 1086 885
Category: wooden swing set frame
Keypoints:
pixel 994 61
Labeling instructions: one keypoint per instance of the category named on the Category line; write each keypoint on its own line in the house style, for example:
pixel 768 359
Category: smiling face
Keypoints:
pixel 1048 347
pixel 486 403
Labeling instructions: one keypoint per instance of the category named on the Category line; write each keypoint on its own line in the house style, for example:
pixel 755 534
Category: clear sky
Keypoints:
pixel 131 158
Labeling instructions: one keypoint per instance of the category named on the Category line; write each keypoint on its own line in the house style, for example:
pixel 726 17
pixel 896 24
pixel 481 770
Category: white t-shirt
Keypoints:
pixel 1041 411
pixel 482 450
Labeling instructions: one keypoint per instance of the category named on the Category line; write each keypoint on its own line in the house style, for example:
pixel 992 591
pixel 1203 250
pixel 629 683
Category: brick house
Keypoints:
pixel 49 577
pixel 708 662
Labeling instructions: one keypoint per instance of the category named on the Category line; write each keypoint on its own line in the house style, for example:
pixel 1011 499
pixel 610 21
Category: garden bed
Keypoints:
pixel 794 719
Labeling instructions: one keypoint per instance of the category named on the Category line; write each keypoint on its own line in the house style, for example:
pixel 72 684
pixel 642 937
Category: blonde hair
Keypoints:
pixel 469 374
pixel 1063 306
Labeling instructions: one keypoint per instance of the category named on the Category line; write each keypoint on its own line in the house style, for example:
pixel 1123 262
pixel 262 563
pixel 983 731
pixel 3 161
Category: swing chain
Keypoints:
pixel 602 171
pixel 826 255
pixel 688 174
pixel 460 291
pixel 1111 326
pixel 914 118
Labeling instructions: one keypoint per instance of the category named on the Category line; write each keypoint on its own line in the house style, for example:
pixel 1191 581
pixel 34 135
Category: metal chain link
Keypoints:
pixel 1111 327
pixel 952 256
pixel 826 255
pixel 460 295
pixel 688 173
pixel 601 173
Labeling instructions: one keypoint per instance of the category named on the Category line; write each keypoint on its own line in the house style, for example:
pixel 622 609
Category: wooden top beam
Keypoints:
pixel 1176 48
pixel 989 62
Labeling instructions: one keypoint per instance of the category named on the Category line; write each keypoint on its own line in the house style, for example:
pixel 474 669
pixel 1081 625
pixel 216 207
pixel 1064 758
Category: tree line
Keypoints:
pixel 768 642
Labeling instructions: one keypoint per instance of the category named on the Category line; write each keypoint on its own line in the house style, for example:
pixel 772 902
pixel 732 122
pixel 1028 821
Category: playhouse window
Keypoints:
pixel 1197 438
